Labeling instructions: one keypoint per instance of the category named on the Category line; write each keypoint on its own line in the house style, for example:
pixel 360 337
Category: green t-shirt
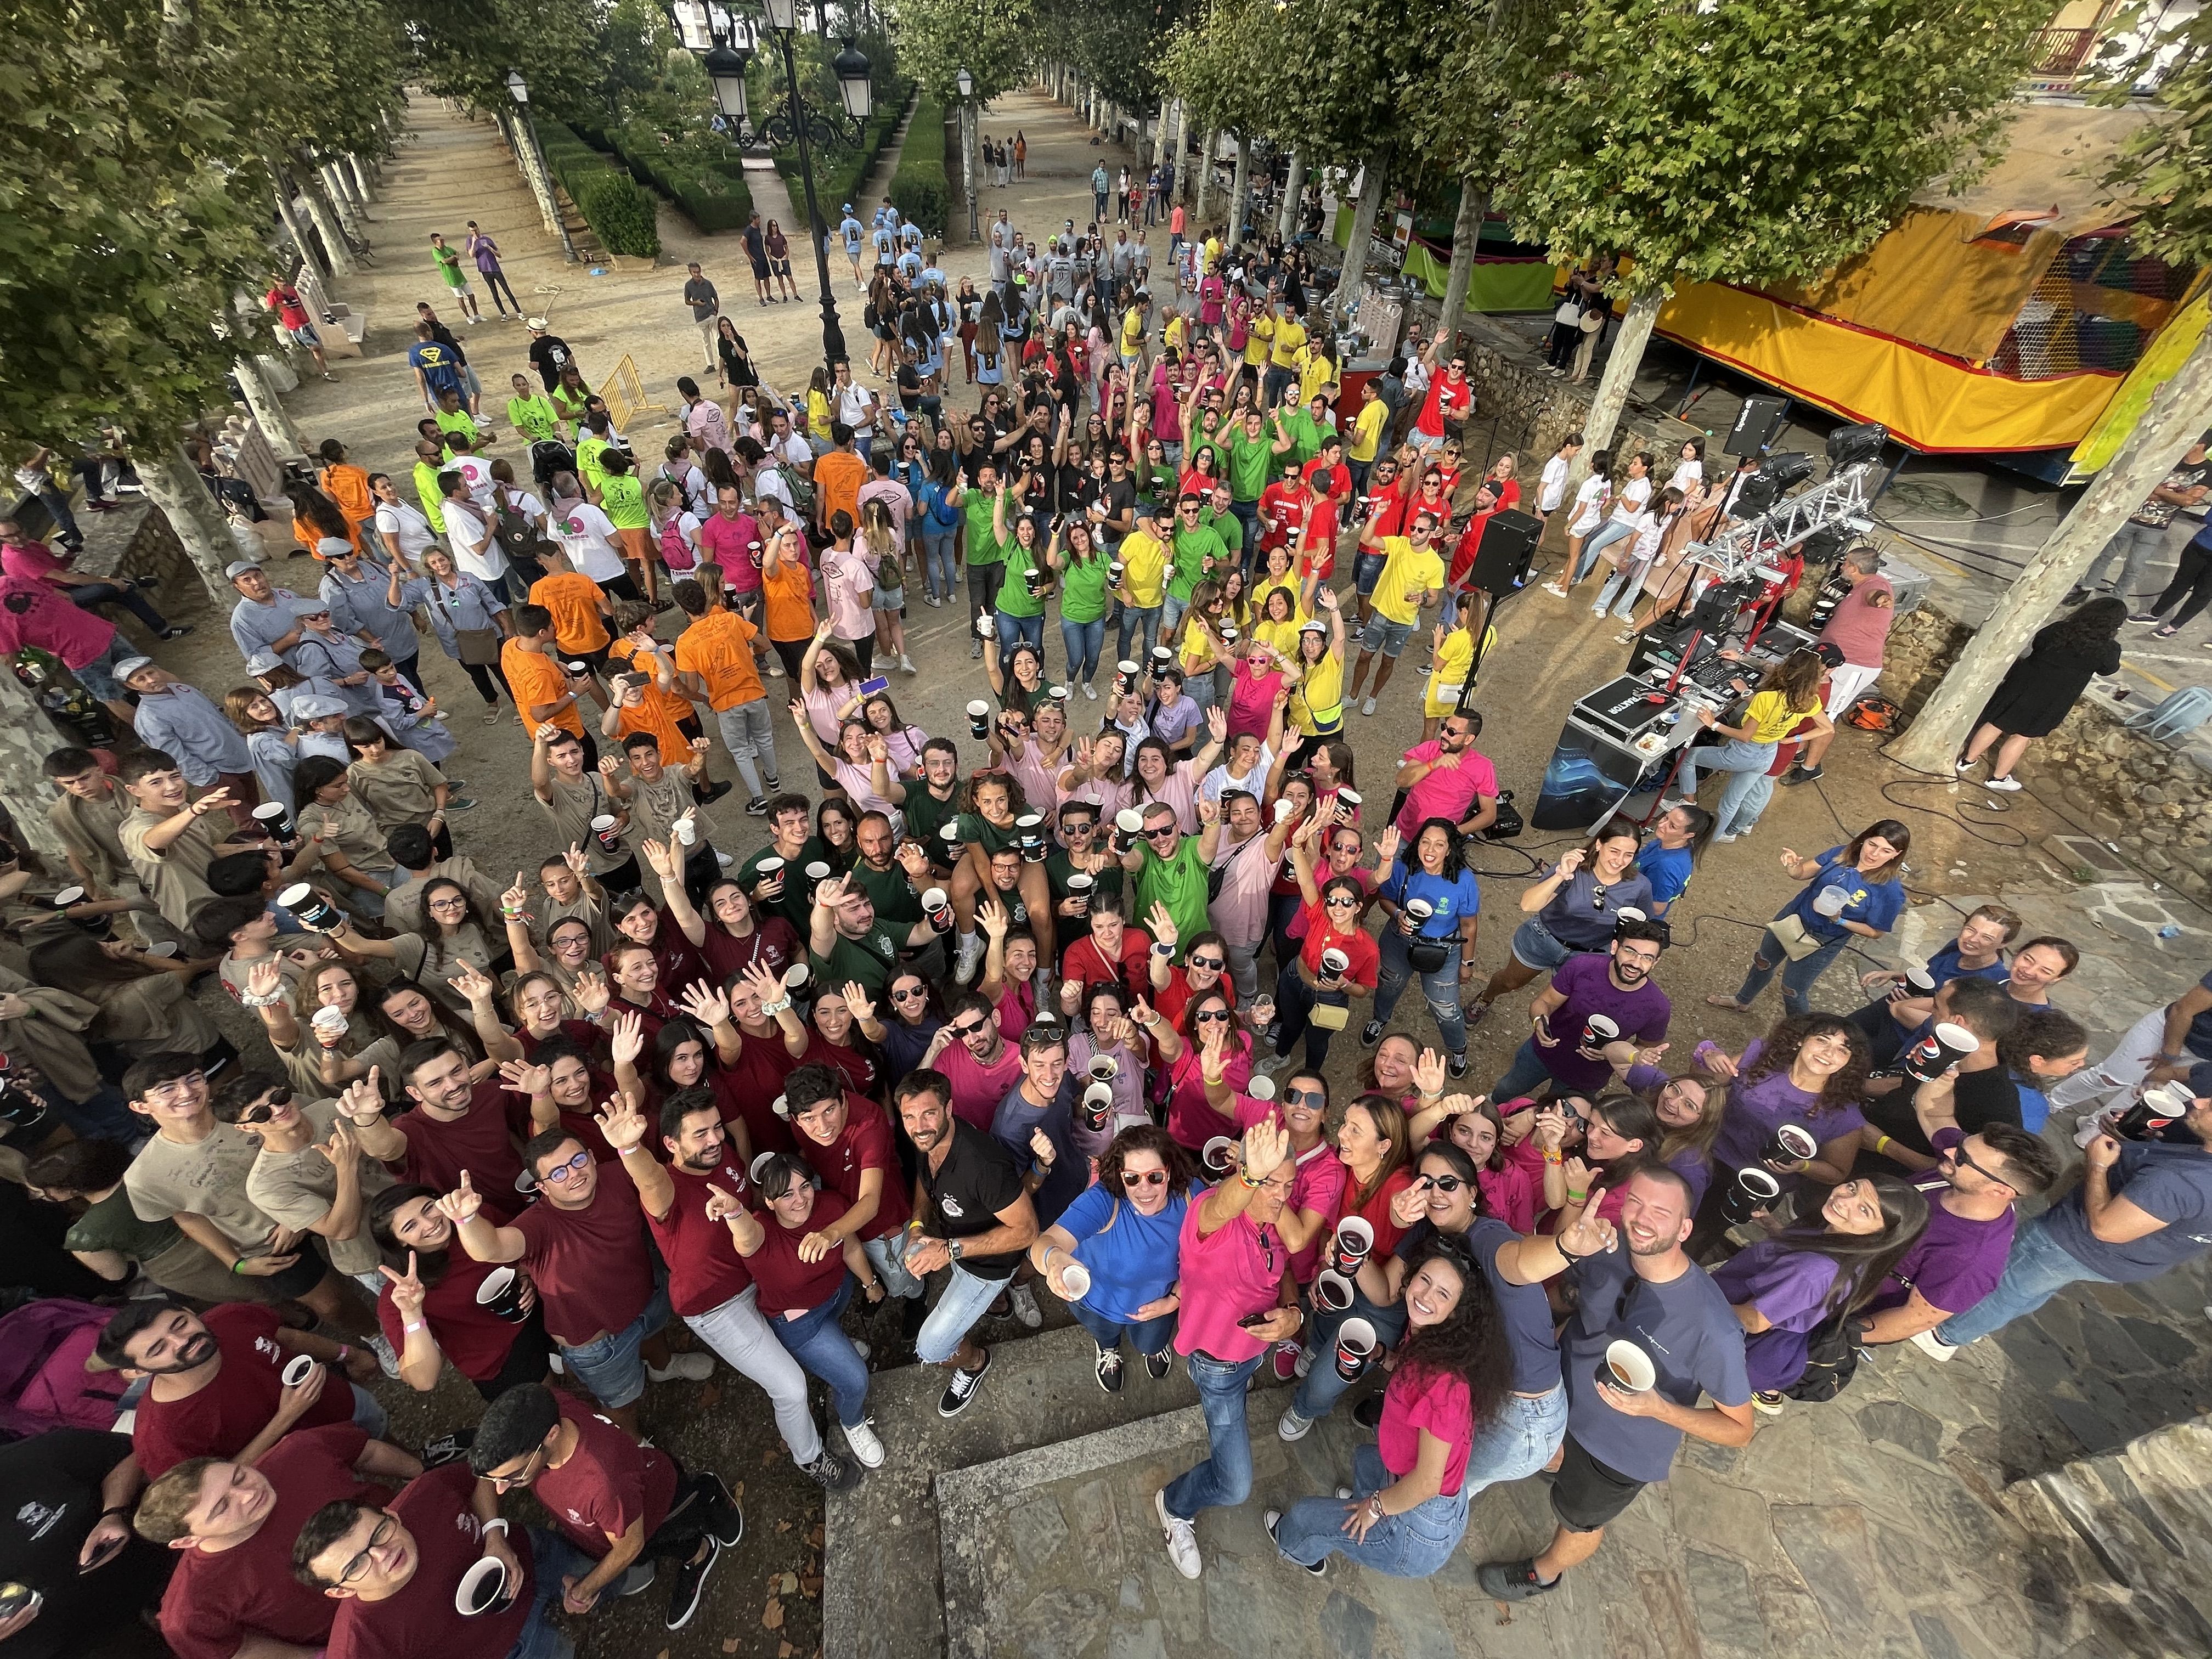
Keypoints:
pixel 925 815
pixel 892 894
pixel 427 492
pixel 449 266
pixel 977 829
pixel 456 420
pixel 1305 436
pixel 871 959
pixel 534 417
pixel 1227 526
pixel 1155 485
pixel 1083 589
pixel 1179 882
pixel 113 1224
pixel 1015 598
pixel 1192 549
pixel 1251 463
pixel 792 904
pixel 984 547
pixel 589 473
pixel 621 498
pixel 1058 867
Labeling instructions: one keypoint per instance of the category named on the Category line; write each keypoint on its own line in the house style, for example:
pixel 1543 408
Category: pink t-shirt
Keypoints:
pixel 1436 1401
pixel 1239 910
pixel 32 561
pixel 1167 412
pixel 1252 699
pixel 977 1089
pixel 1447 792
pixel 1229 1274
pixel 848 577
pixel 1858 628
pixel 1175 790
pixel 1209 300
pixel 728 543
pixel 1319 1188
pixel 1192 1122
pixel 51 622
pixel 1176 221
pixel 823 704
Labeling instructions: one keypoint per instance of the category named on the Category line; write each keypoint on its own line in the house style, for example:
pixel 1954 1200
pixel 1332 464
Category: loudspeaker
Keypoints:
pixel 1503 555
pixel 1758 423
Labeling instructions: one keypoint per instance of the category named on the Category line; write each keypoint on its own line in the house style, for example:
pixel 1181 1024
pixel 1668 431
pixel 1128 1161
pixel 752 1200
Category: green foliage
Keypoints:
pixel 840 173
pixel 620 214
pixel 464 48
pixel 919 188
pixel 2165 167
pixel 1760 140
pixel 1118 45
pixel 994 41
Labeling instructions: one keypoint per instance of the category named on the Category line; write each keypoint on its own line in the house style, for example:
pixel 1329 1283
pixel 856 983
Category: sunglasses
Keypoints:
pixel 970 1030
pixel 1342 902
pixel 569 1170
pixel 1167 832
pixel 916 994
pixel 1216 964
pixel 1213 1017
pixel 1144 1178
pixel 268 1109
pixel 1443 1183
pixel 1304 1097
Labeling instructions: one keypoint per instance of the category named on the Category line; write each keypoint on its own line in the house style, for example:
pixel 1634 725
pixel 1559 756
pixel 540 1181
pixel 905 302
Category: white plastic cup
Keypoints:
pixel 1830 901
pixel 299 1369
pixel 1077 1278
pixel 1218 1156
pixel 1628 1368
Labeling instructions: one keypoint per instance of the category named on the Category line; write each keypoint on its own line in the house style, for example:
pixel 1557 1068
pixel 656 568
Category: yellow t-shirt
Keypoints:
pixel 1770 716
pixel 1261 331
pixel 1212 255
pixel 1264 587
pixel 1366 439
pixel 1279 637
pixel 1315 371
pixel 1406 570
pixel 1196 654
pixel 1144 569
pixel 1132 331
pixel 1317 701
pixel 1453 659
pixel 1290 335
pixel 1175 332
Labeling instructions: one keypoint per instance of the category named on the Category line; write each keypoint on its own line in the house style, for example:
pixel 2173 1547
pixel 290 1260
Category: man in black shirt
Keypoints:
pixel 65 1499
pixel 548 354
pixel 1981 1085
pixel 967 1183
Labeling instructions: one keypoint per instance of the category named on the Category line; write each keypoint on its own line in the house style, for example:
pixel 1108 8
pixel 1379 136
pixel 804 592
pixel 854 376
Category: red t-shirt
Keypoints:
pixel 1376 1212
pixel 786 1283
pixel 864 1144
pixel 1176 995
pixel 681 963
pixel 609 1484
pixel 1358 944
pixel 1088 965
pixel 1439 1402
pixel 482 1141
pixel 1445 401
pixel 421 1619
pixel 219 1420
pixel 213 1603
pixel 704 1267
pixel 774 943
pixel 477 1342
pixel 592 1268
pixel 855 1067
pixel 751 1086
pixel 1280 513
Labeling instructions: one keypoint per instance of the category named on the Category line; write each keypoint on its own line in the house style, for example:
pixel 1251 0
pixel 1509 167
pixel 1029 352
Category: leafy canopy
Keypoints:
pixel 995 40
pixel 2166 168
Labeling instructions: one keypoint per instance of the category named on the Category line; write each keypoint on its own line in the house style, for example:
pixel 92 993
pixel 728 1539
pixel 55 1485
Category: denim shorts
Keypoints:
pixel 611 1368
pixel 1366 571
pixel 1382 634
pixel 1534 947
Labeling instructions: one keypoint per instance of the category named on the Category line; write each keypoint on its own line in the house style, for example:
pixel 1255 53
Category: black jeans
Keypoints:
pixel 85 595
pixel 485 675
pixel 495 283
pixel 2192 578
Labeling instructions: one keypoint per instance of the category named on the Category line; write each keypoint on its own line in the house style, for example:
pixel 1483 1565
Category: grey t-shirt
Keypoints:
pixel 168 1178
pixel 298 1189
pixel 699 294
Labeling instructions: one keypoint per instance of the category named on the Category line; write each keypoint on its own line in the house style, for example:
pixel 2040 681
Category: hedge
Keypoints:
pixel 620 215
pixel 839 175
pixel 918 188
pixel 714 198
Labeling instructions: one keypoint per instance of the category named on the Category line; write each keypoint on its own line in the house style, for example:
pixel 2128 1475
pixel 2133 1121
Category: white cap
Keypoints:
pixel 316 709
pixel 238 568
pixel 131 666
pixel 332 547
pixel 310 605
pixel 538 322
pixel 262 662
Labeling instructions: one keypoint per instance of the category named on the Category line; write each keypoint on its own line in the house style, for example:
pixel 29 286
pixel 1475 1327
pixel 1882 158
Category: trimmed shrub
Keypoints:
pixel 620 214
pixel 918 188
pixel 839 175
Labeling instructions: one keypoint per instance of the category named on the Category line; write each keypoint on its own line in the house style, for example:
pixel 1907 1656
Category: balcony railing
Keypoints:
pixel 2060 52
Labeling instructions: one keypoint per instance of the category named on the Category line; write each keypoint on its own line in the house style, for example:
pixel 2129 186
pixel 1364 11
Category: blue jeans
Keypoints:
pixel 1085 641
pixel 1145 624
pixel 1441 987
pixel 1749 809
pixel 1014 630
pixel 1604 536
pixel 818 1342
pixel 1147 1336
pixel 1747 761
pixel 369 1413
pixel 885 1257
pixel 1322 1387
pixel 1225 1478
pixel 936 567
pixel 1797 976
pixel 1624 583
pixel 1519 1442
pixel 2038 1268
pixel 1198 688
pixel 1413 1545
pixel 962 1303
pixel 611 1369
pixel 1294 1004
pixel 1527 1070
pixel 552 1557
pixel 1248 516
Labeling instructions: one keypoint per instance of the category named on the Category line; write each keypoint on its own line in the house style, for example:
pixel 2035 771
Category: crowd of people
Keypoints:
pixel 1039 1008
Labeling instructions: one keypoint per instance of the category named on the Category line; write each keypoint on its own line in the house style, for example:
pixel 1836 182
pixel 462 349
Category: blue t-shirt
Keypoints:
pixel 1943 968
pixel 1667 869
pixel 1070 1169
pixel 437 364
pixel 1689 1331
pixel 1876 904
pixel 2171 1182
pixel 854 235
pixel 1581 919
pixel 1454 896
pixel 1135 1260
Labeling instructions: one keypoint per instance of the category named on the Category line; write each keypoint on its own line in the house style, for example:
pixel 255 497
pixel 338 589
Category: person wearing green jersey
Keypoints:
pixel 980 502
pixel 592 443
pixel 621 498
pixel 1084 601
pixel 1024 574
pixel 531 413
pixel 1254 460
pixel 1216 513
pixel 1197 553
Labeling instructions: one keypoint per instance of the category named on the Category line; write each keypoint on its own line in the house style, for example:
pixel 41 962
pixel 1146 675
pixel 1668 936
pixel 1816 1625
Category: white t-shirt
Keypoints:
pixel 1588 499
pixel 1553 486
pixel 474 550
pixel 768 481
pixel 855 405
pixel 1633 495
pixel 1254 781
pixel 1686 475
pixel 478 471
pixel 1649 528
pixel 691 481
pixel 522 501
pixel 587 537
pixel 790 449
pixel 399 522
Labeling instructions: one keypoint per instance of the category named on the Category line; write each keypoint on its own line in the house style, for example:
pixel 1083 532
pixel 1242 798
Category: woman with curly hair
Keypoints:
pixel 1809 1071
pixel 1124 1233
pixel 1410 1490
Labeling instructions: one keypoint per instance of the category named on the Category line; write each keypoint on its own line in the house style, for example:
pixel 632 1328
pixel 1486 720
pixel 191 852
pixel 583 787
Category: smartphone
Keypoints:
pixel 1253 1322
pixel 875 687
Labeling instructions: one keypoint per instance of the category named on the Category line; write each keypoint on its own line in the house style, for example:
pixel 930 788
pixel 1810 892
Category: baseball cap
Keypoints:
pixel 262 662
pixel 1313 625
pixel 238 568
pixel 310 605
pixel 332 547
pixel 316 709
pixel 131 666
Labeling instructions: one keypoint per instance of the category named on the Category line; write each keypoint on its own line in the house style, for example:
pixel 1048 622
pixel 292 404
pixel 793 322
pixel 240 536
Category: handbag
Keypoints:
pixel 479 647
pixel 1425 956
pixel 1796 943
pixel 1330 1016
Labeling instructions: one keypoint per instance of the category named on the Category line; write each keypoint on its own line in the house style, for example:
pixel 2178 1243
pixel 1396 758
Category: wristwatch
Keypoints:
pixel 952 1249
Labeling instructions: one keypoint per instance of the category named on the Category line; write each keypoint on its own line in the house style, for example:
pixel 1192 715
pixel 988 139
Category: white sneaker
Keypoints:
pixel 868 1450
pixel 1934 1346
pixel 1025 1307
pixel 387 1360
pixel 1091 690
pixel 1724 838
pixel 1963 767
pixel 685 1367
pixel 1367 706
pixel 1292 1426
pixel 775 671
pixel 906 664
pixel 966 955
pixel 1555 590
pixel 2003 786
pixel 1182 1539
pixel 860 1347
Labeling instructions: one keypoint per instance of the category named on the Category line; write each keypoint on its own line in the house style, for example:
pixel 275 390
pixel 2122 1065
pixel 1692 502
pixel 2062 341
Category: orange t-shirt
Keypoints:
pixel 574 599
pixel 348 485
pixel 787 594
pixel 657 711
pixel 719 649
pixel 838 477
pixel 536 679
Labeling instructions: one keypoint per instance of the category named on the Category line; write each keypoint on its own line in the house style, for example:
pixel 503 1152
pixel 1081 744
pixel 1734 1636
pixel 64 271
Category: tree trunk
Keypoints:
pixel 1239 190
pixel 1207 146
pixel 1467 231
pixel 340 186
pixel 173 485
pixel 1286 218
pixel 364 176
pixel 1178 169
pixel 2179 411
pixel 968 166
pixel 1160 133
pixel 326 225
pixel 517 129
pixel 1611 396
pixel 1364 214
pixel 293 228
pixel 26 738
pixel 261 397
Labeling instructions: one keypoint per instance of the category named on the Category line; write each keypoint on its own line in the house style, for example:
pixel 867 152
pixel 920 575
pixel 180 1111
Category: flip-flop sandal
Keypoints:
pixel 492 719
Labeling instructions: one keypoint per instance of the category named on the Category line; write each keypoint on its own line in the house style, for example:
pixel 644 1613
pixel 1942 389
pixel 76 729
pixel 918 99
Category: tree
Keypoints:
pixel 1751 140
pixel 464 48
pixel 2166 168
pixel 994 41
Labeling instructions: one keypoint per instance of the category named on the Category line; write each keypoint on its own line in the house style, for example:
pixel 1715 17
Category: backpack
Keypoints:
pixel 44 1384
pixel 1507 825
pixel 517 537
pixel 802 489
pixel 1874 713
pixel 1831 1358
pixel 675 551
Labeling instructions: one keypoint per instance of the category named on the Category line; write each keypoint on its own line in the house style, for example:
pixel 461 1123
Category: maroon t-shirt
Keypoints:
pixel 609 1484
pixel 420 1620
pixel 477 1342
pixel 773 942
pixel 865 1145
pixel 213 1603
pixel 704 1267
pixel 219 1421
pixel 786 1283
pixel 751 1086
pixel 482 1141
pixel 591 1265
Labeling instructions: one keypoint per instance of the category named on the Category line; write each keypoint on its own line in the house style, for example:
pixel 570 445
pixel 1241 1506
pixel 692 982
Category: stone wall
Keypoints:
pixel 1531 411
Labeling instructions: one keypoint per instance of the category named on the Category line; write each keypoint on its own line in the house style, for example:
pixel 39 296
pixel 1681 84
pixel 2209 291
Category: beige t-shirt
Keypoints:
pixel 298 1189
pixel 176 876
pixel 401 788
pixel 403 905
pixel 654 807
pixel 572 808
pixel 168 1178
pixel 93 830
pixel 354 832
pixel 431 962
pixel 545 915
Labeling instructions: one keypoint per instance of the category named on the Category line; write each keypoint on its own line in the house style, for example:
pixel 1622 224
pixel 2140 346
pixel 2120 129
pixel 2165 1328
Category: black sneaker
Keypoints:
pixel 1110 1369
pixel 709 793
pixel 1368 1413
pixel 1158 1365
pixel 727 1521
pixel 1511 1581
pixel 1371 1034
pixel 1801 774
pixel 756 807
pixel 1456 1064
pixel 448 1447
pixel 962 1388
pixel 178 632
pixel 1316 1568
pixel 832 1472
pixel 689 1584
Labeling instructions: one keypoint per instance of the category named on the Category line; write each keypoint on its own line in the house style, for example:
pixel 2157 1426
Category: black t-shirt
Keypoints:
pixel 1979 1098
pixel 444 337
pixel 49 1497
pixel 976 1180
pixel 909 388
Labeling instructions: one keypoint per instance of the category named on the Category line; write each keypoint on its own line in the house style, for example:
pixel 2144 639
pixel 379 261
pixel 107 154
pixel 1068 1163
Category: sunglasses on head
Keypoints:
pixel 1144 1177
pixel 267 1109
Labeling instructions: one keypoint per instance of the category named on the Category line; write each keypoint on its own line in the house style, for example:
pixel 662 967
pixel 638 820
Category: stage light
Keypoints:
pixel 1788 468
pixel 1848 445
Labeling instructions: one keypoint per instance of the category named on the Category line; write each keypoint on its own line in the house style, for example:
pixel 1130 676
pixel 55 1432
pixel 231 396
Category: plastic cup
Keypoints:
pixel 1077 1278
pixel 1218 1156
pixel 771 876
pixel 1334 962
pixel 979 718
pixel 1753 1190
pixel 1097 1105
pixel 1355 1240
pixel 1598 1031
pixel 500 1295
pixel 1831 901
pixel 1355 1347
pixel 1627 1367
pixel 330 1025
pixel 299 1369
pixel 609 837
pixel 1080 887
pixel 937 911
pixel 310 909
pixel 1333 1290
pixel 482 1588
pixel 1940 1049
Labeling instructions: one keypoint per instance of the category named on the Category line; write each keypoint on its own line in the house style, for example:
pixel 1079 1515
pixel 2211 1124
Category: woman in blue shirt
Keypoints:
pixel 1430 900
pixel 1669 859
pixel 1126 1232
pixel 1868 874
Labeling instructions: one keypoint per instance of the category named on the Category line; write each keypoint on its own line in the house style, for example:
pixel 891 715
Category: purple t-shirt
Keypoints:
pixel 1956 1262
pixel 1790 1287
pixel 1756 1108
pixel 1587 981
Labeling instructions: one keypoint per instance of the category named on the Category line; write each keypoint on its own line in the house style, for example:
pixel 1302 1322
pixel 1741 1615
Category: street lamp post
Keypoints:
pixel 967 150
pixel 534 166
pixel 723 39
